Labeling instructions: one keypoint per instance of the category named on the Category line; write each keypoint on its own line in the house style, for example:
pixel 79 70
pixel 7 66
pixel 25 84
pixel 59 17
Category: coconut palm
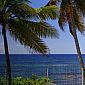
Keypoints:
pixel 72 12
pixel 27 25
pixel 69 13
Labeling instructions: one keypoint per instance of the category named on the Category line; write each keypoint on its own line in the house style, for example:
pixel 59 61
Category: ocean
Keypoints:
pixel 64 69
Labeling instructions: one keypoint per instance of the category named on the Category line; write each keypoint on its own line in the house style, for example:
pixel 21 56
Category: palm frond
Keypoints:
pixel 60 22
pixel 62 17
pixel 51 2
pixel 10 2
pixel 22 11
pixel 27 24
pixel 41 29
pixel 27 37
pixel 66 12
pixel 78 20
pixel 80 5
pixel 48 12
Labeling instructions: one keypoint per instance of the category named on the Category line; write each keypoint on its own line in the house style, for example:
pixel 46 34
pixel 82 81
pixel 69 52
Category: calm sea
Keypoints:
pixel 62 68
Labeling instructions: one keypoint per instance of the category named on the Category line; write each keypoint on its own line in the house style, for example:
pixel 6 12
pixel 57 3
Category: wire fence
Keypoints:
pixel 62 69
pixel 61 74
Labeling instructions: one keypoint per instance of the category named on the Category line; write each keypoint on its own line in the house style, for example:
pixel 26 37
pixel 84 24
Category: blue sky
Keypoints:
pixel 64 45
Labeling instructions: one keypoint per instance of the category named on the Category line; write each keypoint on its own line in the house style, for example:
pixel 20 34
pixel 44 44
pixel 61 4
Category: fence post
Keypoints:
pixel 82 76
pixel 47 74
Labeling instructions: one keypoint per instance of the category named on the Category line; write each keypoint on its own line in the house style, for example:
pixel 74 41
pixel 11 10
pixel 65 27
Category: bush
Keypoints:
pixel 2 81
pixel 34 80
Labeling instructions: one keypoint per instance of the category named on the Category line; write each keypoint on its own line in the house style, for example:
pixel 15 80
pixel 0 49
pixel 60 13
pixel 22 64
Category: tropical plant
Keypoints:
pixel 34 80
pixel 72 12
pixel 27 25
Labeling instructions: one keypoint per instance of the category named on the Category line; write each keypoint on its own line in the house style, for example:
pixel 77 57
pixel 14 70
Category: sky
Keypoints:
pixel 64 45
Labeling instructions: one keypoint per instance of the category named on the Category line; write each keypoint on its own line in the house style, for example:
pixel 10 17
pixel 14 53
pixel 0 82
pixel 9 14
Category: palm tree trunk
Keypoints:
pixel 73 32
pixel 79 54
pixel 78 50
pixel 8 67
pixel 70 18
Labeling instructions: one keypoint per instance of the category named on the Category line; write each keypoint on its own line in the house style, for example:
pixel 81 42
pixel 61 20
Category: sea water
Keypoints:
pixel 64 69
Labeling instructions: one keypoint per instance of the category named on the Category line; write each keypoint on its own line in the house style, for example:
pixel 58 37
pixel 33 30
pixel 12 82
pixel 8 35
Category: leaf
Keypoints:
pixel 22 11
pixel 42 29
pixel 27 37
pixel 48 12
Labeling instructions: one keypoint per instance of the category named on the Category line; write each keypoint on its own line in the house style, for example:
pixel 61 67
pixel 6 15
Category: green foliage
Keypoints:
pixel 48 12
pixel 27 24
pixel 71 10
pixel 2 81
pixel 20 81
pixel 34 80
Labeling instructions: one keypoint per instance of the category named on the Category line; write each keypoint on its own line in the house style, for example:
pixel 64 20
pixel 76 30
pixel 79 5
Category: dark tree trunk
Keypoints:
pixel 73 32
pixel 79 54
pixel 8 67
pixel 78 50
pixel 72 29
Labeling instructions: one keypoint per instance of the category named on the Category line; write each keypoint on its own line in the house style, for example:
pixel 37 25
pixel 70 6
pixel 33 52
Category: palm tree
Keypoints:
pixel 27 25
pixel 69 14
pixel 72 12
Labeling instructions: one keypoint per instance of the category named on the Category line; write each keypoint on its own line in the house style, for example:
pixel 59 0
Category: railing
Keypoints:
pixel 62 74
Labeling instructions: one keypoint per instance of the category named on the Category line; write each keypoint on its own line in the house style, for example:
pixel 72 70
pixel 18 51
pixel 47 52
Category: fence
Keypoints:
pixel 62 69
pixel 62 74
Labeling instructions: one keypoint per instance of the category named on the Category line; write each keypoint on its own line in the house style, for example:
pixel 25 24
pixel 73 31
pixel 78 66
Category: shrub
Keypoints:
pixel 34 80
